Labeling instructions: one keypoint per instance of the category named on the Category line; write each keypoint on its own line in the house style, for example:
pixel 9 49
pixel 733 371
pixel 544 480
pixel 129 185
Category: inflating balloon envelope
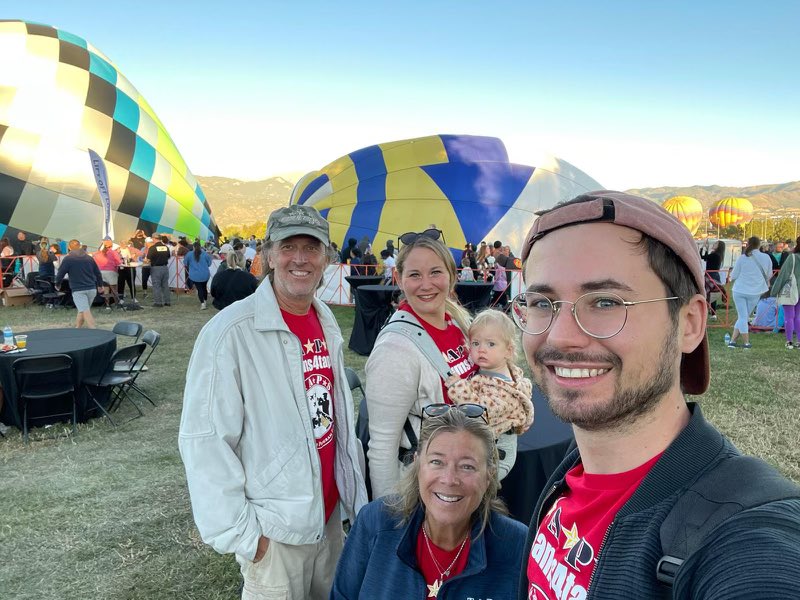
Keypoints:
pixel 60 97
pixel 464 185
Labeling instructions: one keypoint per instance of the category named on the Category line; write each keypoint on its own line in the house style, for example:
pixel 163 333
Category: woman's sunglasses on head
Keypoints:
pixel 410 237
pixel 473 411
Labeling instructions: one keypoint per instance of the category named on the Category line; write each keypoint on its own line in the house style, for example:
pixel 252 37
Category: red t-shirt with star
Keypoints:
pixel 452 344
pixel 569 541
pixel 318 377
pixel 430 570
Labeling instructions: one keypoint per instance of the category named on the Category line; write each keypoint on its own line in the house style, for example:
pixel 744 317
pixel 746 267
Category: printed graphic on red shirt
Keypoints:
pixel 571 535
pixel 561 560
pixel 319 390
pixel 453 346
pixel 318 380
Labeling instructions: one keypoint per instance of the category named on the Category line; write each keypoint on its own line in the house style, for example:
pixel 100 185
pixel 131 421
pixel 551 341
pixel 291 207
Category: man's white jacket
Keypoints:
pixel 246 436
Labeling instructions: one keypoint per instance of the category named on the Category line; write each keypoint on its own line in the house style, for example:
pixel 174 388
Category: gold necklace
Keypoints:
pixel 433 590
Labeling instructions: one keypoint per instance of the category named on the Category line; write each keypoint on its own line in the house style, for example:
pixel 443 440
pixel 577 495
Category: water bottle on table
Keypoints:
pixel 8 336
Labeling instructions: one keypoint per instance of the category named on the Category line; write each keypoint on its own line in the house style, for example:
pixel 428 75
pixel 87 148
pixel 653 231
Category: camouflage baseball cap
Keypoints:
pixel 297 220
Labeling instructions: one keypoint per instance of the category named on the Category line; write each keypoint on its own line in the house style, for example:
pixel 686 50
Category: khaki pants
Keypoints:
pixel 295 572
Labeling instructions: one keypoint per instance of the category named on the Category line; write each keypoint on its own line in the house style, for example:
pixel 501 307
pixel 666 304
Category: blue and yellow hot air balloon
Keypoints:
pixel 464 185
pixel 61 97
pixel 686 209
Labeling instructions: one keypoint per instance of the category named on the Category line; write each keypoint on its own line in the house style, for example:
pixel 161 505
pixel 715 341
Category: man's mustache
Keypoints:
pixel 549 354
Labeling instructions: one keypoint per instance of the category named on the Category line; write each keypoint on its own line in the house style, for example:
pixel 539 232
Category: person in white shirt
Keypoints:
pixel 466 273
pixel 750 277
pixel 388 266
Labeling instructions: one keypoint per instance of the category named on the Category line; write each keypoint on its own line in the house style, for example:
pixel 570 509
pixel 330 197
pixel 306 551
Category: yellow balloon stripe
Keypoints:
pixel 341 174
pixel 413 153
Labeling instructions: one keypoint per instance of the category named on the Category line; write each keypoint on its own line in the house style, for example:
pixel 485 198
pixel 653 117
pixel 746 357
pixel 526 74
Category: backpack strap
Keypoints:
pixel 407 325
pixel 735 484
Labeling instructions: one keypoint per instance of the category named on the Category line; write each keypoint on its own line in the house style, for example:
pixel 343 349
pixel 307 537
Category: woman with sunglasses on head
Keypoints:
pixel 445 534
pixel 401 380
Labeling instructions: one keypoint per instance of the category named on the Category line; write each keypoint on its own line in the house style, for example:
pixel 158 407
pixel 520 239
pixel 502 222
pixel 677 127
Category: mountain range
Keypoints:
pixel 235 202
pixel 778 199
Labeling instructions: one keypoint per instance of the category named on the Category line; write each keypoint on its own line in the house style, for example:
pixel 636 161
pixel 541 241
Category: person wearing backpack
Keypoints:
pixel 654 501
pixel 406 370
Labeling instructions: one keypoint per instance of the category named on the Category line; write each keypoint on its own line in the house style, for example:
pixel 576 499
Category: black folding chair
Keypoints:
pixel 115 381
pixel 128 329
pixel 353 381
pixel 48 295
pixel 42 378
pixel 151 338
pixel 362 426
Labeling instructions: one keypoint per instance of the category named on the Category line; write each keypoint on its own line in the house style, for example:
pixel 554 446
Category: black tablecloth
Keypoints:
pixel 539 451
pixel 474 295
pixel 356 281
pixel 373 307
pixel 90 350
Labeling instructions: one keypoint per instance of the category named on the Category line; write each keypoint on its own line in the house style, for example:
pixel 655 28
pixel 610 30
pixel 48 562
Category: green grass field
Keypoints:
pixel 106 514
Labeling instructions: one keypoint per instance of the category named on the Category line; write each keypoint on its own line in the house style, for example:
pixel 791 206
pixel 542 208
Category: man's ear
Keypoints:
pixel 693 319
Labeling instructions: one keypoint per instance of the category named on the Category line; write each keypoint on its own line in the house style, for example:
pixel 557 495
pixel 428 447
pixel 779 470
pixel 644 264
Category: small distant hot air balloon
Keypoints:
pixel 731 211
pixel 686 209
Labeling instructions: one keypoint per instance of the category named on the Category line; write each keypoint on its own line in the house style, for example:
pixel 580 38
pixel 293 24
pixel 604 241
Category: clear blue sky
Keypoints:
pixel 634 93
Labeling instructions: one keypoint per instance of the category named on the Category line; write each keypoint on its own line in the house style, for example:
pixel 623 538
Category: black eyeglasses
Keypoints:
pixel 473 411
pixel 410 237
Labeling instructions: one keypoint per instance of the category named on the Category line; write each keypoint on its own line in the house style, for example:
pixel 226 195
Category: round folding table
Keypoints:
pixel 474 295
pixel 90 349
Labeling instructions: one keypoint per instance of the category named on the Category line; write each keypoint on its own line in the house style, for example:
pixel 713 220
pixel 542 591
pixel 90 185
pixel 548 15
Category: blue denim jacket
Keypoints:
pixel 379 560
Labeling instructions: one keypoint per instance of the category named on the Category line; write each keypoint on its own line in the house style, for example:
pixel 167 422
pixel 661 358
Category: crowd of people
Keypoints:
pixel 274 467
pixel 759 275
pixel 117 264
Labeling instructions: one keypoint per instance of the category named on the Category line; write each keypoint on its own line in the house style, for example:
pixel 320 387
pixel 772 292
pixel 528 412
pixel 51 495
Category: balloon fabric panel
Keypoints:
pixel 470 148
pixel 479 192
pixel 371 193
pixel 312 187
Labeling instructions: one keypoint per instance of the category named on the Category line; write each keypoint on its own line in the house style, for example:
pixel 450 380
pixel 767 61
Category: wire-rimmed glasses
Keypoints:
pixel 600 315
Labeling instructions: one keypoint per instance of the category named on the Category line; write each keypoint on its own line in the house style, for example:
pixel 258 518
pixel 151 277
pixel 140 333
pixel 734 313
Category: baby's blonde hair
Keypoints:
pixel 499 323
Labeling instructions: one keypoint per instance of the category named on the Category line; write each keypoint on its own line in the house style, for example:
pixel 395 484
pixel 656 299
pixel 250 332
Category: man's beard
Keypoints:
pixel 626 405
